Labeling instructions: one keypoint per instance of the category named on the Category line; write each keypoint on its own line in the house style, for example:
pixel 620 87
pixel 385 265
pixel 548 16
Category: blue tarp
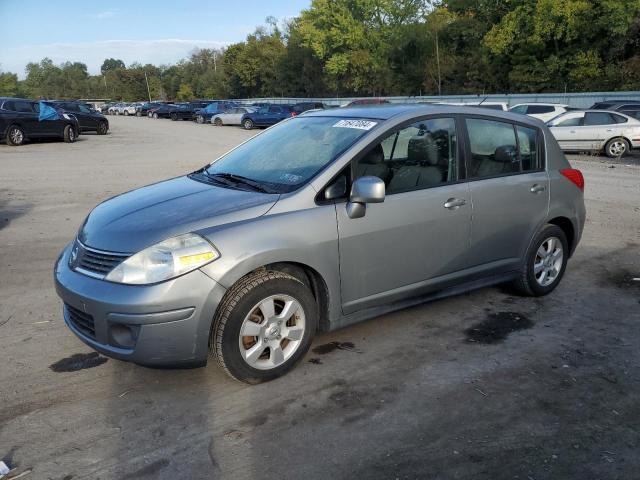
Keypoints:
pixel 47 112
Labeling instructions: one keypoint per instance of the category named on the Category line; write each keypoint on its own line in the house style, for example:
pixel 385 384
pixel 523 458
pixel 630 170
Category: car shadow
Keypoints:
pixel 10 210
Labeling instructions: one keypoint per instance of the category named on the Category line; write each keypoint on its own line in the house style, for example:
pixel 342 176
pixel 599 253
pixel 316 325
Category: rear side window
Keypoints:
pixel 540 109
pixel 528 148
pixel 493 148
pixel 598 118
pixel 275 109
pixel 618 118
pixel 633 113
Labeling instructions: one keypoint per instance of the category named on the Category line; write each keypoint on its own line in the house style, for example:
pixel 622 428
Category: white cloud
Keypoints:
pixel 157 52
pixel 106 14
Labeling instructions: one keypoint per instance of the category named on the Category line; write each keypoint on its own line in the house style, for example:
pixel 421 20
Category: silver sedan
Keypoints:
pixel 231 116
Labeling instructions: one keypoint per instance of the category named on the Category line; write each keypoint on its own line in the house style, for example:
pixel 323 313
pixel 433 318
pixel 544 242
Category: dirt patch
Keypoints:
pixel 79 361
pixel 496 327
pixel 331 346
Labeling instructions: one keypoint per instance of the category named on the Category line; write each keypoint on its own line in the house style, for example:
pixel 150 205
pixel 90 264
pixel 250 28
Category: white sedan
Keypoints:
pixel 596 130
pixel 231 116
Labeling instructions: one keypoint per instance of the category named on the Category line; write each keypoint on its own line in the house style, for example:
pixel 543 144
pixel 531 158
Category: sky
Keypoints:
pixel 157 32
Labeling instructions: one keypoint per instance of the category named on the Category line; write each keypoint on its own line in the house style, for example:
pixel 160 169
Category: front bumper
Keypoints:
pixel 167 324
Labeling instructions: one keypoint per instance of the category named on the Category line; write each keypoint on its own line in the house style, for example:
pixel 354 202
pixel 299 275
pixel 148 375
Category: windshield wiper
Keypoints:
pixel 239 180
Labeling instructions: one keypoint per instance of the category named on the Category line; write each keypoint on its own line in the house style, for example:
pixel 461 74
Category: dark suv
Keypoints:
pixel 89 119
pixel 20 120
pixel 628 107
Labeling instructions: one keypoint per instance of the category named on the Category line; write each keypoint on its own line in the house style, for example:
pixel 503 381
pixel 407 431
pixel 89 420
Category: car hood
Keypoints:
pixel 137 219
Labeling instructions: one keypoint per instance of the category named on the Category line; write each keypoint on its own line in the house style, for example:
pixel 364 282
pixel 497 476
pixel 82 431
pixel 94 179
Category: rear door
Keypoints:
pixel 26 114
pixel 419 236
pixel 599 126
pixel 509 190
pixel 567 131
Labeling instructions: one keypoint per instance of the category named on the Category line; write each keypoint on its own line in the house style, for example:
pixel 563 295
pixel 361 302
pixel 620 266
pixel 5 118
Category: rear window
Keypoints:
pixel 540 109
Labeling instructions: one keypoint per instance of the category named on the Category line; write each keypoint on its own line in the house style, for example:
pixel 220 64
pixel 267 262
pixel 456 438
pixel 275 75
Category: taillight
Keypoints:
pixel 575 176
pixel 293 114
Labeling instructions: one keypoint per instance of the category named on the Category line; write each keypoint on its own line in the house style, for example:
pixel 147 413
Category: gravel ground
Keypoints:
pixel 439 391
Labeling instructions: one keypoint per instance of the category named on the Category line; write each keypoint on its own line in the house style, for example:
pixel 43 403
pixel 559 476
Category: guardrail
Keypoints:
pixel 577 100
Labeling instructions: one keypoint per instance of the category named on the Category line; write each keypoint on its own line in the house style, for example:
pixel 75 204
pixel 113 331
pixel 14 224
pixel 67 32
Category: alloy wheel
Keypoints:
pixel 272 332
pixel 548 262
pixel 617 148
pixel 16 136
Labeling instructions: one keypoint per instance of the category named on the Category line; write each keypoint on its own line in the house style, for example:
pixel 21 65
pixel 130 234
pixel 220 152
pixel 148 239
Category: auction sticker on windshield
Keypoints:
pixel 359 124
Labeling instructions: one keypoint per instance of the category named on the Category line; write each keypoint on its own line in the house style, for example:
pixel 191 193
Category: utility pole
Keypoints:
pixel 438 62
pixel 147 80
pixel 215 65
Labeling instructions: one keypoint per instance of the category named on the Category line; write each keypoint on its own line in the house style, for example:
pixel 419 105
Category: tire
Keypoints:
pixel 138 114
pixel 230 348
pixel 155 115
pixel 200 119
pixel 15 136
pixel 616 147
pixel 536 284
pixel 126 113
pixel 247 124
pixel 218 122
pixel 174 117
pixel 102 129
pixel 69 135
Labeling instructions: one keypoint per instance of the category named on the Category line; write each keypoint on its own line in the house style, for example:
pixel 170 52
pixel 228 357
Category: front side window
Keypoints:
pixel 275 109
pixel 288 155
pixel 25 107
pixel 519 109
pixel 568 122
pixel 419 156
pixel 493 148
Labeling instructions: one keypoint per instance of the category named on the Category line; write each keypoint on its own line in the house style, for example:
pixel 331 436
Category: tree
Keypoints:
pixel 185 92
pixel 111 64
pixel 8 84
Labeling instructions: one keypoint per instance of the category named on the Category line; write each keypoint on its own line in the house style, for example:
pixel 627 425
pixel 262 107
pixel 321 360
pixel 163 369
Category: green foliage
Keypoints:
pixel 384 47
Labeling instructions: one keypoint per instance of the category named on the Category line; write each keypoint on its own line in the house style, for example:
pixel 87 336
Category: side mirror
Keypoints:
pixel 364 190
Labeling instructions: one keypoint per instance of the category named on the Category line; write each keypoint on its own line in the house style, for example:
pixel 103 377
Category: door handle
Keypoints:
pixel 536 188
pixel 454 203
pixel 609 129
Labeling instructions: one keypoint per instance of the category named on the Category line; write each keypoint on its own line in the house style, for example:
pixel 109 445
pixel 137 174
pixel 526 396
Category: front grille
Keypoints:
pixel 81 320
pixel 94 261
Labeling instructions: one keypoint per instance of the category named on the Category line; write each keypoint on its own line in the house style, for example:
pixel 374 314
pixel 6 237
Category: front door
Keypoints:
pixel 509 190
pixel 421 230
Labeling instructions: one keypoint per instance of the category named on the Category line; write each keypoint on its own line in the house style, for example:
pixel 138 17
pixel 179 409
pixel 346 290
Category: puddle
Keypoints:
pixel 79 361
pixel 331 346
pixel 496 327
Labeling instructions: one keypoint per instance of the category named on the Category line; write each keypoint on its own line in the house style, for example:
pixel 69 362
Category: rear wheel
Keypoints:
pixel 138 113
pixel 174 117
pixel 155 115
pixel 247 124
pixel 264 326
pixel 69 134
pixel 200 119
pixel 545 262
pixel 15 136
pixel 616 147
pixel 126 113
pixel 217 122
pixel 102 128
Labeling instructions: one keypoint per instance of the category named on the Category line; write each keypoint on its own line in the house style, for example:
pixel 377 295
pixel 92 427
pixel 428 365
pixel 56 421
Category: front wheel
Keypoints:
pixel 264 326
pixel 616 147
pixel 69 134
pixel 174 117
pixel 138 114
pixel 102 128
pixel 545 262
pixel 126 113
pixel 15 136
pixel 155 115
pixel 217 122
pixel 247 124
pixel 200 119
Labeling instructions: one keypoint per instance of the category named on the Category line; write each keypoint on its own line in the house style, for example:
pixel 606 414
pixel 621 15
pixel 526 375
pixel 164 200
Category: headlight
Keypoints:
pixel 162 261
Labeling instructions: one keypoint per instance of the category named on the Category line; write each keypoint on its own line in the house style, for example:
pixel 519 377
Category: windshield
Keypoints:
pixel 288 155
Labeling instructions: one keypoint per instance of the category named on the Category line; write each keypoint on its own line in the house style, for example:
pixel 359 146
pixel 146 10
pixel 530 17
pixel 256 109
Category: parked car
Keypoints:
pixel 104 109
pixel 232 116
pixel 543 111
pixel 161 111
pixel 324 220
pixel 183 111
pixel 89 120
pixel 302 107
pixel 143 108
pixel 366 101
pixel 266 116
pixel 126 109
pixel 20 121
pixel 596 130
pixel 628 107
pixel 501 106
pixel 205 114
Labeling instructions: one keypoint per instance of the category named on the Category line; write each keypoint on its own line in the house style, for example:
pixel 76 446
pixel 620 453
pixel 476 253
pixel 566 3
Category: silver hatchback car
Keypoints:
pixel 321 221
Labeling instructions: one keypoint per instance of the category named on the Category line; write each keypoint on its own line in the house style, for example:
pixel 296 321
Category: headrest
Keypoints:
pixel 422 150
pixel 374 157
pixel 506 154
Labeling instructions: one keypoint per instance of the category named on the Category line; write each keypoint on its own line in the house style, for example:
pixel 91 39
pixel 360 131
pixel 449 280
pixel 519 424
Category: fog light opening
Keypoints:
pixel 124 335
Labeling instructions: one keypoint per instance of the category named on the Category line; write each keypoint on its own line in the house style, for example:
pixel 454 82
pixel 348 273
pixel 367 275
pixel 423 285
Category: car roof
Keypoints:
pixel 542 104
pixel 390 110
